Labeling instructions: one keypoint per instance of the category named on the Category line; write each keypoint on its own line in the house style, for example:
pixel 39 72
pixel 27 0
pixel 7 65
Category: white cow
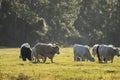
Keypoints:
pixel 34 54
pixel 82 52
pixel 107 53
pixel 44 50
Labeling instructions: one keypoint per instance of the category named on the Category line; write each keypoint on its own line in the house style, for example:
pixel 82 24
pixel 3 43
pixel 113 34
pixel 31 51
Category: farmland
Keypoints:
pixel 63 68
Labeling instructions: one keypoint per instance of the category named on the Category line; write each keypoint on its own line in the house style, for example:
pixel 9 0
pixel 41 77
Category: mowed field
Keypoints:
pixel 64 68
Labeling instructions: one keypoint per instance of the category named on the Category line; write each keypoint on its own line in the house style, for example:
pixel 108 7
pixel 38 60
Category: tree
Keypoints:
pixel 61 21
pixel 97 21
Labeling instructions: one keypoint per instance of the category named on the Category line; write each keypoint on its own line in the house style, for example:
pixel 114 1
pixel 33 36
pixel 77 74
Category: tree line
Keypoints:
pixel 65 22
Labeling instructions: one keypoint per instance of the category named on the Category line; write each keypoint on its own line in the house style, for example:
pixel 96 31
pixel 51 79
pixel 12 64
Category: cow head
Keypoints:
pixel 92 59
pixel 26 57
pixel 29 57
pixel 56 49
pixel 117 52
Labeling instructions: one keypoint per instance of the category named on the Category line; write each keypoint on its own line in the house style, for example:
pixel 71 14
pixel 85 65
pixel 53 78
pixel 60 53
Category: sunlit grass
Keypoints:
pixel 64 68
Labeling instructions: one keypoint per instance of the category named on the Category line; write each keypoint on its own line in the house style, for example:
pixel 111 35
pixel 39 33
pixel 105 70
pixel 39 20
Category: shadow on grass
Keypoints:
pixel 110 71
pixel 22 76
pixel 101 62
pixel 21 64
pixel 37 62
pixel 43 63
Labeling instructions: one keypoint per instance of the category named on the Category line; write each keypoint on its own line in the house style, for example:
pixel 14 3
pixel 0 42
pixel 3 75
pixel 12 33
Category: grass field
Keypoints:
pixel 64 68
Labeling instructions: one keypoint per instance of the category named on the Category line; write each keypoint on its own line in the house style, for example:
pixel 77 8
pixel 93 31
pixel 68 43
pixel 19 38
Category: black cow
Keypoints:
pixel 25 53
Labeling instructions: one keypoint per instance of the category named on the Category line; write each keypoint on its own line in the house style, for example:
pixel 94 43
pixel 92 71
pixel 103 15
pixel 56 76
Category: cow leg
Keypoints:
pixel 32 58
pixel 112 61
pixel 87 60
pixel 100 59
pixel 36 58
pixel 105 60
pixel 51 60
pixel 83 59
pixel 78 59
pixel 75 58
pixel 44 60
pixel 24 59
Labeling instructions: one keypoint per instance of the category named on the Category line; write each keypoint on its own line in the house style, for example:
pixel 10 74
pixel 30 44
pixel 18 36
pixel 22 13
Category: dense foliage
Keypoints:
pixel 59 21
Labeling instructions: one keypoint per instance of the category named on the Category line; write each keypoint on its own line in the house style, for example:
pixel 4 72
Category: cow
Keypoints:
pixel 82 52
pixel 95 47
pixel 107 53
pixel 25 52
pixel 46 50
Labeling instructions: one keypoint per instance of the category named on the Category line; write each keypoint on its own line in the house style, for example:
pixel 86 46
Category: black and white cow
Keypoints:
pixel 105 52
pixel 25 52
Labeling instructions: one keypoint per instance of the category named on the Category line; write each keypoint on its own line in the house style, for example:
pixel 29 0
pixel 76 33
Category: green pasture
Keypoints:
pixel 64 68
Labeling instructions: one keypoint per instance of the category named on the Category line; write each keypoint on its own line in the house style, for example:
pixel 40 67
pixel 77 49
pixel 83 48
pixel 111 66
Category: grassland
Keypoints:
pixel 64 68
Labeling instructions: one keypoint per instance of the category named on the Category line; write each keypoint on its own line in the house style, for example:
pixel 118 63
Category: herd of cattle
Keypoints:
pixel 103 52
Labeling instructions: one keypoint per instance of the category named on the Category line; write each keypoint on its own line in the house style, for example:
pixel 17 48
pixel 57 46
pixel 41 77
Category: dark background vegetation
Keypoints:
pixel 65 22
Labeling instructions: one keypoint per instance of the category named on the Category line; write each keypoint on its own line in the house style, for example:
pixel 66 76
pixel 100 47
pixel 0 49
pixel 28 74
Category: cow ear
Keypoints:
pixel 55 46
pixel 116 49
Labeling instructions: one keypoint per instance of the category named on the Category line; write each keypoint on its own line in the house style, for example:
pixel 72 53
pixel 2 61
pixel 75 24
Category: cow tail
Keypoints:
pixel 98 55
